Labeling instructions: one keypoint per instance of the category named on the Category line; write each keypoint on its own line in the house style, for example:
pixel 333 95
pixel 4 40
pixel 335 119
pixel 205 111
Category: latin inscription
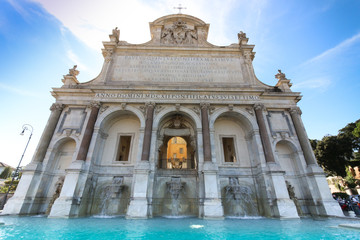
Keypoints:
pixel 177 69
pixel 176 96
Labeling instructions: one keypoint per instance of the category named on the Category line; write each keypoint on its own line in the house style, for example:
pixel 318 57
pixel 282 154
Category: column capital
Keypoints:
pixel 295 110
pixel 148 104
pixel 204 105
pixel 94 104
pixel 259 106
pixel 57 107
pixel 107 53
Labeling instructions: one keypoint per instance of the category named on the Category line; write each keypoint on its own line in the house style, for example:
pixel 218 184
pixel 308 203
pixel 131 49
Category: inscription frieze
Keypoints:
pixel 177 69
pixel 176 96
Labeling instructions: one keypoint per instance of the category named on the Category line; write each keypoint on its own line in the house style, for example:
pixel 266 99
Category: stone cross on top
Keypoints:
pixel 179 7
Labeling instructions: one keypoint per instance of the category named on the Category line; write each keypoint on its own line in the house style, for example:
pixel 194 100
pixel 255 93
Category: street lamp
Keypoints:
pixel 24 127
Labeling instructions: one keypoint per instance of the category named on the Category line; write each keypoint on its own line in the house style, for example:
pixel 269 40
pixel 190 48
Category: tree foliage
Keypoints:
pixel 336 153
pixel 6 173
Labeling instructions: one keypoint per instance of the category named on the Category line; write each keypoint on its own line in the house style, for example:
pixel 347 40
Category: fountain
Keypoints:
pixel 239 199
pixel 174 187
pixel 111 192
pixel 58 186
pixel 292 196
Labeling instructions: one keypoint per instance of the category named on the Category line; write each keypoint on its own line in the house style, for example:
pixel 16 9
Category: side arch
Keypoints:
pixel 248 120
pixel 105 116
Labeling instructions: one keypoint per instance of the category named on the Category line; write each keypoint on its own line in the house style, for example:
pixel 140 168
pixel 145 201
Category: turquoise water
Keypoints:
pixel 163 228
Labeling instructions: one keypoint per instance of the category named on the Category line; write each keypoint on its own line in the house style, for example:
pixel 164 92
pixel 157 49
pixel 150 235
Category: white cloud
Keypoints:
pixel 92 23
pixel 338 49
pixel 19 9
pixel 75 60
pixel 18 91
pixel 321 84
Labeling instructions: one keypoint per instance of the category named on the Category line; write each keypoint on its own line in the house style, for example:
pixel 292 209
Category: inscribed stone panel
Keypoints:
pixel 177 69
pixel 73 119
pixel 279 122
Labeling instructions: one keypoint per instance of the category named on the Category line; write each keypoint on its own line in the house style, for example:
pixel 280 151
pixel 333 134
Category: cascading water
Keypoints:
pixel 240 199
pixel 59 184
pixel 111 192
pixel 174 187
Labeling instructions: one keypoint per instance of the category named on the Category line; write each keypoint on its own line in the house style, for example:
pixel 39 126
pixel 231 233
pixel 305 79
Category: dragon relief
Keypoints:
pixel 179 34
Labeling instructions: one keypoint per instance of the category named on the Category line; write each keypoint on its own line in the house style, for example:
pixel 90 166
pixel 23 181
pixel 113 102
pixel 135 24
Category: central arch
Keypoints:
pixel 176 130
pixel 176 127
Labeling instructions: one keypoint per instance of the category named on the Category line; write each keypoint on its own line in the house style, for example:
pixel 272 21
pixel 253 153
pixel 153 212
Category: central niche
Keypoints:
pixel 176 144
pixel 176 153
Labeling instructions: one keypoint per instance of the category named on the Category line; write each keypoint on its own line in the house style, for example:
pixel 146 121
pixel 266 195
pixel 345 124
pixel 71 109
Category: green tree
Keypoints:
pixel 356 133
pixel 336 153
pixel 6 173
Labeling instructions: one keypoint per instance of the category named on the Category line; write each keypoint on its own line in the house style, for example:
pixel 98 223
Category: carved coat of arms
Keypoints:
pixel 179 34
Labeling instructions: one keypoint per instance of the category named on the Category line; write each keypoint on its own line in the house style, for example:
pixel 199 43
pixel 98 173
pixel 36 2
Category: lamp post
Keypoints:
pixel 24 127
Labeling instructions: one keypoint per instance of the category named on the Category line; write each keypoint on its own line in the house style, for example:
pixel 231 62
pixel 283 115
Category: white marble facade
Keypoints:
pixel 103 151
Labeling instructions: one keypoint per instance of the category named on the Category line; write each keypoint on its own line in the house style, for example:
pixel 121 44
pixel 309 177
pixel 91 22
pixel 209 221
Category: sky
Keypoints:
pixel 315 43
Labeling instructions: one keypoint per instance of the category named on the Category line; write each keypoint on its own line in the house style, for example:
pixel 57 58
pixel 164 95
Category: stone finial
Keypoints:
pixel 283 83
pixel 73 72
pixel 114 37
pixel 70 78
pixel 243 40
pixel 241 35
pixel 280 75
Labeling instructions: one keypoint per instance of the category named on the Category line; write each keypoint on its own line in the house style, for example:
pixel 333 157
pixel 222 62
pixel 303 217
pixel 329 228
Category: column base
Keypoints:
pixel 15 206
pixel 329 209
pixel 138 209
pixel 23 200
pixel 213 209
pixel 286 209
pixel 63 208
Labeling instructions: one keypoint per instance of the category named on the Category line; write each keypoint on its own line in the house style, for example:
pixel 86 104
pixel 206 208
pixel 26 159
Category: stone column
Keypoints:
pixel 68 203
pixel 138 206
pixel 269 155
pixel 45 139
pixel 302 136
pixel 212 206
pixel 281 204
pixel 148 130
pixel 205 131
pixel 85 143
pixel 23 200
pixel 323 203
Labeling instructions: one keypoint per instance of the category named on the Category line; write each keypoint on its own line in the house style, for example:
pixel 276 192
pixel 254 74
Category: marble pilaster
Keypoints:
pixel 302 136
pixel 85 143
pixel 205 131
pixel 148 130
pixel 269 155
pixel 45 139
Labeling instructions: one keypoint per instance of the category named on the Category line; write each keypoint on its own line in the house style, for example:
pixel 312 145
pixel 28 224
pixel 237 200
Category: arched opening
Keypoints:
pixel 177 154
pixel 119 139
pixel 232 146
pixel 62 157
pixel 289 162
pixel 117 149
pixel 176 181
pixel 177 144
